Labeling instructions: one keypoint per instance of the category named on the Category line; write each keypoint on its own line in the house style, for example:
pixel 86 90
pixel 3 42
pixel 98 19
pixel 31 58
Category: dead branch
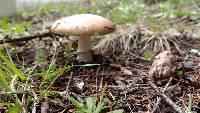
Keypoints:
pixel 25 38
pixel 165 97
pixel 160 93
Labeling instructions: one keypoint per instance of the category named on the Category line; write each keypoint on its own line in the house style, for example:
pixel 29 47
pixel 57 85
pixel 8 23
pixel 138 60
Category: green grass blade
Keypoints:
pixel 5 69
pixel 15 109
pixel 3 81
pixel 12 67
pixel 55 73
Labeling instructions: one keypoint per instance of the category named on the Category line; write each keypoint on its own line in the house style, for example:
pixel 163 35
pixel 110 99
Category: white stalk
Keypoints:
pixel 84 49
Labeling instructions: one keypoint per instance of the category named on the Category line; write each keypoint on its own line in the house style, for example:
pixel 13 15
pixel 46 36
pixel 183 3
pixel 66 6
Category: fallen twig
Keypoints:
pixel 68 84
pixel 165 97
pixel 25 38
pixel 159 98
pixel 161 94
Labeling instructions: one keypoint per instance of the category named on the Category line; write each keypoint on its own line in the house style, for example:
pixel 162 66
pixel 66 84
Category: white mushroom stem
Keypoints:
pixel 84 49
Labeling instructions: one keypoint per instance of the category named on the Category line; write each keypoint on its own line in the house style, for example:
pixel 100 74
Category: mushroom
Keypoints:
pixel 84 26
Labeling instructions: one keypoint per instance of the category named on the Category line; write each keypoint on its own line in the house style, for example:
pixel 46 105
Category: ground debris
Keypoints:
pixel 164 66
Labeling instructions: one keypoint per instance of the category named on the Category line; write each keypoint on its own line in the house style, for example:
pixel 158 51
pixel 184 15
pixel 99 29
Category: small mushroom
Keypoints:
pixel 84 26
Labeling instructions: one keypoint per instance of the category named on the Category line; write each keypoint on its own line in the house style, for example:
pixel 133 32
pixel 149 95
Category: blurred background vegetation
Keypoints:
pixel 153 12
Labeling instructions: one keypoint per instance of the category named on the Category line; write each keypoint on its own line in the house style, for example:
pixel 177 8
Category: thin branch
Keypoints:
pixel 165 97
pixel 69 82
pixel 159 98
pixel 161 94
pixel 25 38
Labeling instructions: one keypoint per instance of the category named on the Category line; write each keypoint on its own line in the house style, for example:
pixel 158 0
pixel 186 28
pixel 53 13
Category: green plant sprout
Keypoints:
pixel 90 104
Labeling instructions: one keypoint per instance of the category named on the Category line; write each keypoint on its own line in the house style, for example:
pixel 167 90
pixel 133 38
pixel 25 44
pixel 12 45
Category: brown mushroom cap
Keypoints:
pixel 83 25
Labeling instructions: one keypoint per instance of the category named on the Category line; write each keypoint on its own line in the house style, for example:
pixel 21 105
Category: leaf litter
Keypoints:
pixel 121 66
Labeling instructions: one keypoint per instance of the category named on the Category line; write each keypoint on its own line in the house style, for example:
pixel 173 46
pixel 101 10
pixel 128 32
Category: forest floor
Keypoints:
pixel 47 72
